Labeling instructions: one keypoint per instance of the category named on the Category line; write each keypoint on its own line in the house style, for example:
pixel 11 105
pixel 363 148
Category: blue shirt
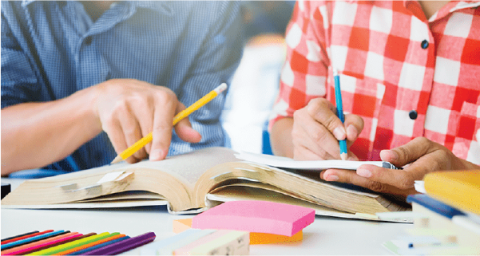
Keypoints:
pixel 52 49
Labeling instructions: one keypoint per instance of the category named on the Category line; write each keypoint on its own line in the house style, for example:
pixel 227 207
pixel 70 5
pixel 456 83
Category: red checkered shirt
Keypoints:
pixel 406 76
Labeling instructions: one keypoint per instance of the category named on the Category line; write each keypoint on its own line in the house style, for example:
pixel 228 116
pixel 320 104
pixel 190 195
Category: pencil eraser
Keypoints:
pixel 256 216
pixel 6 188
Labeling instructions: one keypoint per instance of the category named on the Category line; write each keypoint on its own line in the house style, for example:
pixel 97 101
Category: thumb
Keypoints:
pixel 184 128
pixel 407 153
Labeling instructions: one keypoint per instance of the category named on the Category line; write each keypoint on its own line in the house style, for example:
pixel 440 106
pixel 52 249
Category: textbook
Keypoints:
pixel 196 181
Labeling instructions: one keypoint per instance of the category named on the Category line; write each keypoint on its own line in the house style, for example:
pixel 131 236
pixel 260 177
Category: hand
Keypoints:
pixel 419 157
pixel 128 110
pixel 317 130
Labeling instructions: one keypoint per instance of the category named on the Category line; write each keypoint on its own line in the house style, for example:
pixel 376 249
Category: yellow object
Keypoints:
pixel 70 245
pixel 181 225
pixel 147 139
pixel 459 189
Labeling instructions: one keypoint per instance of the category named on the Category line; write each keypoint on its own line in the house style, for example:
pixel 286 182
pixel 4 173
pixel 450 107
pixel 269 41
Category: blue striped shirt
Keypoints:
pixel 52 49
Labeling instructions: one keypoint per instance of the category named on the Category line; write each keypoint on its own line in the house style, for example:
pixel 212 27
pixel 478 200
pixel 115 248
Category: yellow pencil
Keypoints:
pixel 147 139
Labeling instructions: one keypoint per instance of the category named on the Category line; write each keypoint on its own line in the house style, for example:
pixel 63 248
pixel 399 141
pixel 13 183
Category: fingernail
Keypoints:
pixel 331 178
pixel 391 155
pixel 352 131
pixel 339 133
pixel 156 154
pixel 364 173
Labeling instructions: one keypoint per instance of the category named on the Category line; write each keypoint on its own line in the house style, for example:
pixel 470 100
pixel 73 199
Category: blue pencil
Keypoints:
pixel 32 239
pixel 338 100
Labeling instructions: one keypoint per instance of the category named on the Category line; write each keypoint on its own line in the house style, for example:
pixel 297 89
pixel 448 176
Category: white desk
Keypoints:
pixel 324 236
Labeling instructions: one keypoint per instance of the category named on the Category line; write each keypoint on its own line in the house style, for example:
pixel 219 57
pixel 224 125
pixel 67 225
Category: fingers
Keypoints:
pixel 352 177
pixel 409 152
pixel 114 131
pixel 323 112
pixel 307 134
pixel 165 108
pixel 132 132
pixel 317 129
pixel 184 128
pixel 354 126
pixel 144 113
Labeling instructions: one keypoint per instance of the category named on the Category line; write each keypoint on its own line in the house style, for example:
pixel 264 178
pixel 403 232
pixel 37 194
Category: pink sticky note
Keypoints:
pixel 256 216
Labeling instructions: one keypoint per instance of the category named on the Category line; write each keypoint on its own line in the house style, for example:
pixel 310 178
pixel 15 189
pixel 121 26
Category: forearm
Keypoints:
pixel 37 134
pixel 281 137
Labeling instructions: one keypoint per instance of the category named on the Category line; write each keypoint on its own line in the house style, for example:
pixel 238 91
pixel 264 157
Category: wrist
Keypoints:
pixel 86 101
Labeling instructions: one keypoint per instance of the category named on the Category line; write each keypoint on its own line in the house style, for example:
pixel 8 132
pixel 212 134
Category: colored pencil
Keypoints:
pixel 85 246
pixel 124 245
pixel 81 252
pixel 61 242
pixel 147 139
pixel 18 236
pixel 26 236
pixel 31 239
pixel 40 244
pixel 67 246
pixel 338 100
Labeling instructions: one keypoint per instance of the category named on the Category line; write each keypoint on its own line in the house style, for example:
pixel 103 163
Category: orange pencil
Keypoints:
pixel 85 246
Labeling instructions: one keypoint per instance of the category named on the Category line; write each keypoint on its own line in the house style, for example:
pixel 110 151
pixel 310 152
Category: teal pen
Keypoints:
pixel 338 100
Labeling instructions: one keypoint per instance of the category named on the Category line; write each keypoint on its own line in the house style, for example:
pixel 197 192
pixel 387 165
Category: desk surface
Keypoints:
pixel 325 236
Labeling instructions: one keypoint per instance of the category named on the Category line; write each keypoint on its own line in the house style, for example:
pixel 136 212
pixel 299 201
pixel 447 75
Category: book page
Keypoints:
pixel 284 162
pixel 190 166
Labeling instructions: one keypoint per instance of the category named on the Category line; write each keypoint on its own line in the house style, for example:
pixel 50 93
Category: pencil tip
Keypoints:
pixel 116 160
pixel 344 156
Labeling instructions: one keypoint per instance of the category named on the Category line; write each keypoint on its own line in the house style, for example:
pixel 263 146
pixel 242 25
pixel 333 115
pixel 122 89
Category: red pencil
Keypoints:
pixel 63 242
pixel 26 236
pixel 42 243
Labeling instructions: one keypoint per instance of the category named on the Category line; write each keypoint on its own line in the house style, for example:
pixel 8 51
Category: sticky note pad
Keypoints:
pixel 181 225
pixel 256 216
pixel 228 243
pixel 264 238
pixel 169 245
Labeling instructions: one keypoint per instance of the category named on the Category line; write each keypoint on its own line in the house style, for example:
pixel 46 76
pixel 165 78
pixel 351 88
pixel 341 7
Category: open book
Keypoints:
pixel 194 182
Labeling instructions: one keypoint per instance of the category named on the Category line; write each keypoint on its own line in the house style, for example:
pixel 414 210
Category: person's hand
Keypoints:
pixel 317 130
pixel 128 110
pixel 418 157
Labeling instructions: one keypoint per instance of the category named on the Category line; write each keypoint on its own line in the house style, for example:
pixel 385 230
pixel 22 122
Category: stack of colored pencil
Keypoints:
pixel 61 242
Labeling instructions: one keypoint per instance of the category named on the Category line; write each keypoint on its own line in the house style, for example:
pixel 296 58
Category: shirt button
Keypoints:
pixel 88 40
pixel 413 114
pixel 424 44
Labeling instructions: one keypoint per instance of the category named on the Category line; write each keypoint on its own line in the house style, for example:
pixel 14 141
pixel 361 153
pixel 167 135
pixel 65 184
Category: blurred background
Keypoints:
pixel 255 83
